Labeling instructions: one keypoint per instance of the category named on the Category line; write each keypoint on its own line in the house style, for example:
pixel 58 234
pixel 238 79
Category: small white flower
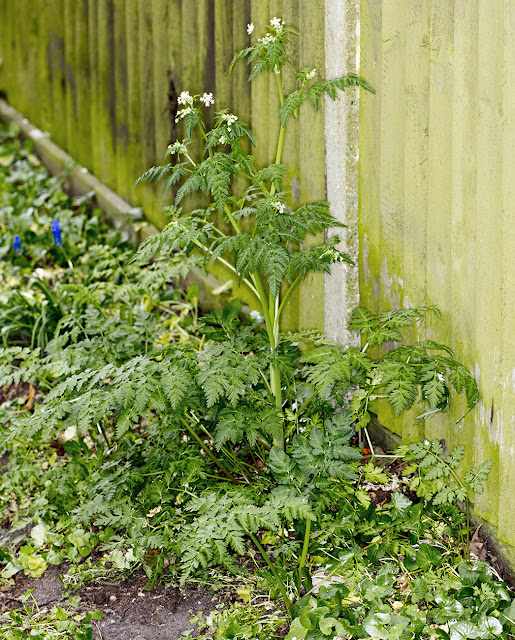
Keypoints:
pixel 207 99
pixel 267 39
pixel 185 98
pixel 311 74
pixel 182 113
pixel 277 23
pixel 250 28
pixel 280 206
pixel 222 140
pixel 154 511
pixel 440 377
pixel 230 118
pixel 255 315
pixel 177 147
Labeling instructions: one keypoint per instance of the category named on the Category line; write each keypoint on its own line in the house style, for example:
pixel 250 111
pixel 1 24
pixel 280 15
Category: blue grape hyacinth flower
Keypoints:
pixel 56 232
pixel 17 245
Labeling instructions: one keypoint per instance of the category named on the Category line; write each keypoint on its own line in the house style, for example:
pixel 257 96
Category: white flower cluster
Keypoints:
pixel 182 113
pixel 177 147
pixel 223 140
pixel 207 99
pixel 250 28
pixel 277 23
pixel 185 98
pixel 267 39
pixel 230 118
pixel 280 206
pixel 311 74
pixel 154 512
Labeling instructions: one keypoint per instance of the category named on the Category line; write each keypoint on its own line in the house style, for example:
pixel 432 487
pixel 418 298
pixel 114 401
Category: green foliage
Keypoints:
pixel 437 479
pixel 41 624
pixel 150 438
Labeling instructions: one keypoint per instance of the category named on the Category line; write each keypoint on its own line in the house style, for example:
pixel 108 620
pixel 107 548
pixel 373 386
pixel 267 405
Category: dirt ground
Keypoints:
pixel 130 612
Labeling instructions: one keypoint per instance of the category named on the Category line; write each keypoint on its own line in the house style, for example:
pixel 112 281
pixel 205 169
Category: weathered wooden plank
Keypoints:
pixel 146 92
pixel 55 62
pixel 133 163
pixel 488 259
pixel 106 76
pixel 240 39
pixel 7 45
pixel 416 148
pixel 392 153
pixel 33 48
pixel 507 440
pixel 488 301
pixel 70 85
pixel 223 53
pixel 259 88
pixel 464 208
pixel 83 84
pixel 311 174
pixel 160 41
pixel 46 114
pixel 439 182
pixel 23 90
pixel 93 56
pixel 120 125
pixel 370 148
pixel 292 142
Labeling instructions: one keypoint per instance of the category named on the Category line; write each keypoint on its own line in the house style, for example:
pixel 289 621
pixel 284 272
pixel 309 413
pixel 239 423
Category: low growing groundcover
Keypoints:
pixel 156 462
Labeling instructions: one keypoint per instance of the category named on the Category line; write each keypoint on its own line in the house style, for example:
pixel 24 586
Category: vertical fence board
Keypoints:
pixel 160 19
pixel 463 203
pixel 439 182
pixel 146 93
pixel 507 442
pixel 83 84
pixel 70 88
pixel 96 157
pixel 311 174
pixel 132 158
pixel 122 181
pixel 369 151
pixel 106 92
pixel 290 15
pixel 489 258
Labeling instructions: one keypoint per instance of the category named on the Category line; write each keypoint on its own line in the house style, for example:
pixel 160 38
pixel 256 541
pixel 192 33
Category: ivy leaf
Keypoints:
pixel 489 626
pixel 401 503
pixel 428 556
pixel 449 609
pixel 463 631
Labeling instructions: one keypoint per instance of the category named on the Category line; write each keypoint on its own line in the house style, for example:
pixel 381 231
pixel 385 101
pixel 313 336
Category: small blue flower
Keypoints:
pixel 17 245
pixel 56 232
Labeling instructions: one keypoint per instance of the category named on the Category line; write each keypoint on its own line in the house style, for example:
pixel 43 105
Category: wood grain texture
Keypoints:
pixel 444 117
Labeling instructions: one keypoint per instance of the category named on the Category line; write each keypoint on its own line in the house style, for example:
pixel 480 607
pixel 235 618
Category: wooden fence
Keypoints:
pixel 436 143
pixel 437 206
pixel 102 76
